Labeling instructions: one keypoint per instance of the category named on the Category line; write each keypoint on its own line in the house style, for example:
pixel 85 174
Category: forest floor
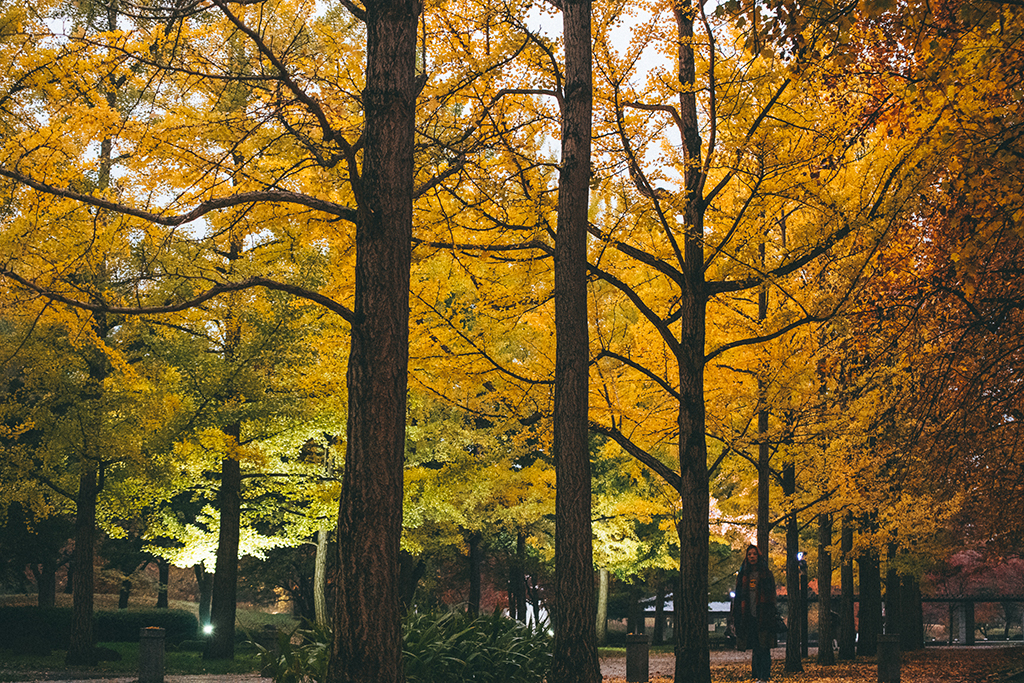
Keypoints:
pixel 977 664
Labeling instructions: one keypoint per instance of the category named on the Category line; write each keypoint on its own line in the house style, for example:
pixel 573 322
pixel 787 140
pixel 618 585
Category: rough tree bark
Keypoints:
pixel 693 658
pixel 366 646
pixel 575 648
pixel 225 573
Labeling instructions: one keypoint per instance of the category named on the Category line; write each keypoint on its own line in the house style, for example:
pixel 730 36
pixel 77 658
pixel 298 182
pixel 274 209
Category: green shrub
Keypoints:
pixel 436 647
pixel 455 647
pixel 35 630
pixel 38 630
pixel 123 626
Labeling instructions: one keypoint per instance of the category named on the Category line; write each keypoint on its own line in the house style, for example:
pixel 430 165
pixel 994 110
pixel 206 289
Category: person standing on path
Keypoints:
pixel 753 612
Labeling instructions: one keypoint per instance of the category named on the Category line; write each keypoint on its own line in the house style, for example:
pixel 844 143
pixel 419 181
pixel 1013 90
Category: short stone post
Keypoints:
pixel 638 662
pixel 151 655
pixel 889 658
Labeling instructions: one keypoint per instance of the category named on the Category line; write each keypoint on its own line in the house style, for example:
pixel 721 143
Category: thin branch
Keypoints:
pixel 670 476
pixel 273 196
pixel 214 291
pixel 642 370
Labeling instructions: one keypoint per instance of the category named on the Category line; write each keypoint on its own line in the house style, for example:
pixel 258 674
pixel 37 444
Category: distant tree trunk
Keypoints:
pixel 764 455
pixel 205 581
pixel 366 645
pixel 320 579
pixel 521 575
pixel 826 655
pixel 602 606
pixel 634 612
pixel 164 580
pixel 847 621
pixel 870 612
pixel 912 631
pixel 476 564
pixel 225 574
pixel 658 637
pixel 124 594
pixel 410 572
pixel 82 647
pixel 45 574
pixel 794 616
pixel 893 623
pixel 575 647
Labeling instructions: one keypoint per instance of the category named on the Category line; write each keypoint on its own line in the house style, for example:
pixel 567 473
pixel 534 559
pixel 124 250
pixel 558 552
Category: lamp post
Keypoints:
pixel 801 561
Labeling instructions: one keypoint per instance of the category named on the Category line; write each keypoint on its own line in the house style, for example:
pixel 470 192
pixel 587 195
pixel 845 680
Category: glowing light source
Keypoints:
pixel 208 629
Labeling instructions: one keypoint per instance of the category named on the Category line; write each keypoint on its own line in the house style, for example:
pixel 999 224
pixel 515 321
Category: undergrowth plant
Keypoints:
pixel 447 646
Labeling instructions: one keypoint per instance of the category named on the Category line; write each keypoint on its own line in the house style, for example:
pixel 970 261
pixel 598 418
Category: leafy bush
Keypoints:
pixel 123 626
pixel 35 630
pixel 455 647
pixel 436 647
pixel 38 630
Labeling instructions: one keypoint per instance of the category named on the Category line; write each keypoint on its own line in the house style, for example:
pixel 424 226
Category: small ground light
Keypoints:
pixel 208 629
pixel 800 556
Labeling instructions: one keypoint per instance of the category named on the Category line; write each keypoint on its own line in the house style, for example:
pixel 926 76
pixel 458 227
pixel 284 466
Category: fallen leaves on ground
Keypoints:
pixel 946 665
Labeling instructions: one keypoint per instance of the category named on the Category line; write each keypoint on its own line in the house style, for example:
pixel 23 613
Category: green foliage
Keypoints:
pixel 437 647
pixel 38 630
pixel 34 630
pixel 124 625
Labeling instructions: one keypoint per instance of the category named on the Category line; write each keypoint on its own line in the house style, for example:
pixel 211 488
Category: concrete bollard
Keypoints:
pixel 638 661
pixel 151 655
pixel 889 658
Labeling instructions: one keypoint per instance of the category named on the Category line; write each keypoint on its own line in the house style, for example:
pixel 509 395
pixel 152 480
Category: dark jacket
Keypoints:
pixel 765 614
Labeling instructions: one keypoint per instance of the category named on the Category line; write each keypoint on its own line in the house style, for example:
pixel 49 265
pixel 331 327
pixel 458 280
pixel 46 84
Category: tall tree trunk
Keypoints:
pixel 794 616
pixel 82 647
pixel 205 581
pixel 575 647
pixel 826 655
pixel 476 565
pixel 164 580
pixel 366 645
pixel 225 574
pixel 602 606
pixel 847 621
pixel 693 659
pixel 870 612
